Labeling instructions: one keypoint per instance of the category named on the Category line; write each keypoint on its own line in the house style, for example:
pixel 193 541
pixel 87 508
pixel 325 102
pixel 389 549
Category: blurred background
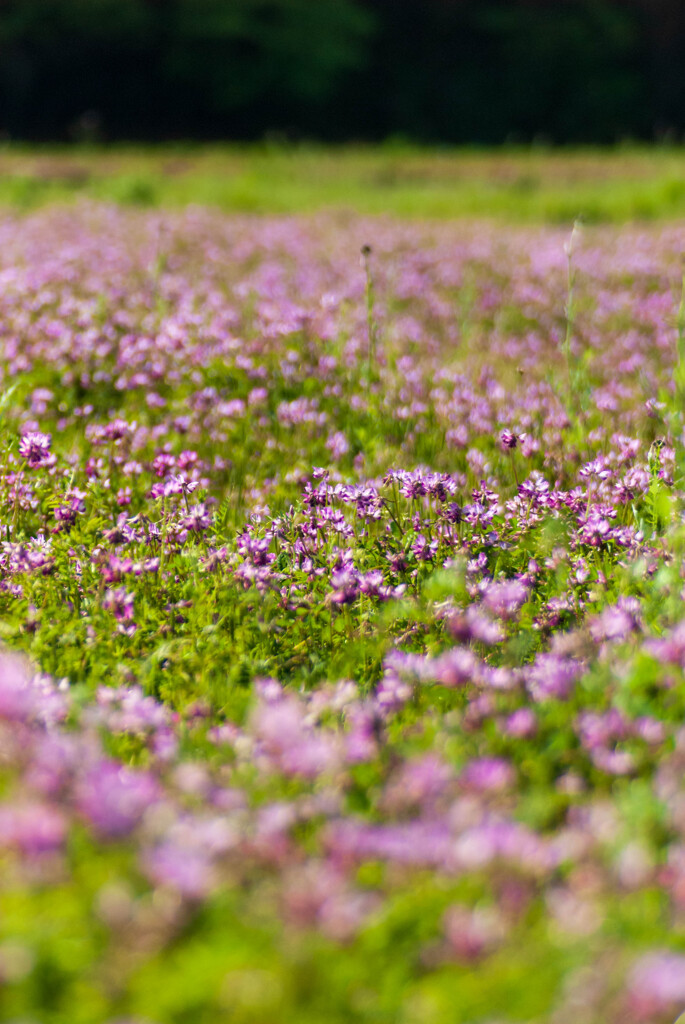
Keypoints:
pixel 426 71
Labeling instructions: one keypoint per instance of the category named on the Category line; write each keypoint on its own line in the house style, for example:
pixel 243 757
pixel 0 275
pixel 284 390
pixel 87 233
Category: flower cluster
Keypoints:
pixel 339 659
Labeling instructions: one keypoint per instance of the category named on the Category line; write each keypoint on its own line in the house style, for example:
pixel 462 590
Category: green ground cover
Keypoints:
pixel 529 185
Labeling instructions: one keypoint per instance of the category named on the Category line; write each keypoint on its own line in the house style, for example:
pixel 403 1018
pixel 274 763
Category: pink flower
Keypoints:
pixel 35 448
pixel 114 799
pixel 521 724
pixel 488 774
pixel 120 603
pixel 472 934
pixel 33 828
pixel 189 871
pixel 657 984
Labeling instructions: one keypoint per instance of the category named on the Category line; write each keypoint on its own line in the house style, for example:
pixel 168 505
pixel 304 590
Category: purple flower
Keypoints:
pixel 361 741
pixel 522 724
pixel 33 828
pixel 418 783
pixel 597 730
pixel 293 746
pixel 117 430
pixel 656 984
pixel 393 692
pixel 18 697
pixel 113 799
pixel 318 895
pixel 649 729
pixel 198 519
pixel 506 598
pixel 56 759
pixel 455 667
pixel 120 603
pixel 478 846
pixel 613 762
pixel 423 549
pixel 488 775
pixel 338 445
pixel 74 506
pixel 419 843
pixel 473 933
pixel 473 624
pixel 671 648
pixel 188 870
pixel 508 440
pixel 614 624
pixel 346 587
pixel 551 677
pixel 124 710
pixel 35 448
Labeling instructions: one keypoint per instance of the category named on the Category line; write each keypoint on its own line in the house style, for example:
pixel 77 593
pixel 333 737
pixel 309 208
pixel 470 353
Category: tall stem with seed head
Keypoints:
pixel 371 325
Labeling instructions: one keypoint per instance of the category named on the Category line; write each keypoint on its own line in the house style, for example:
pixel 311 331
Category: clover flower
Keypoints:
pixel 34 447
pixel 120 603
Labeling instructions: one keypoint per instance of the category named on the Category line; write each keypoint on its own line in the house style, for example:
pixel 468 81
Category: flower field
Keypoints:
pixel 341 595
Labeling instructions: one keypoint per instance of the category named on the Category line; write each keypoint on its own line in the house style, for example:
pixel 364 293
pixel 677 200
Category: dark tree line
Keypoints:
pixel 431 70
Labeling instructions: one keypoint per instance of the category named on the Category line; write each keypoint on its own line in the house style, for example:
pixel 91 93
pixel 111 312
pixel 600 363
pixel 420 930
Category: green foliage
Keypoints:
pixel 408 181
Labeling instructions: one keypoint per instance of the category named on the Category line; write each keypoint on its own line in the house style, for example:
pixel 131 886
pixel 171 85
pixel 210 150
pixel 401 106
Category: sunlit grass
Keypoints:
pixel 514 184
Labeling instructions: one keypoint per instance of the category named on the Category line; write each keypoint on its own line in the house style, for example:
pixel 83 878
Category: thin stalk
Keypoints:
pixel 513 468
pixel 569 312
pixel 371 324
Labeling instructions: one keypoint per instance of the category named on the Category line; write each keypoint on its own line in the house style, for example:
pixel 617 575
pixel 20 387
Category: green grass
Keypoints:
pixel 536 185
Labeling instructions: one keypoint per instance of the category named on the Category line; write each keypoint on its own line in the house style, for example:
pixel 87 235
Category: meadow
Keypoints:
pixel 529 184
pixel 341 601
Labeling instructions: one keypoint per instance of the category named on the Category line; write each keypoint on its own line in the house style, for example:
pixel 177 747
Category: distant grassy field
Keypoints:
pixel 534 185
